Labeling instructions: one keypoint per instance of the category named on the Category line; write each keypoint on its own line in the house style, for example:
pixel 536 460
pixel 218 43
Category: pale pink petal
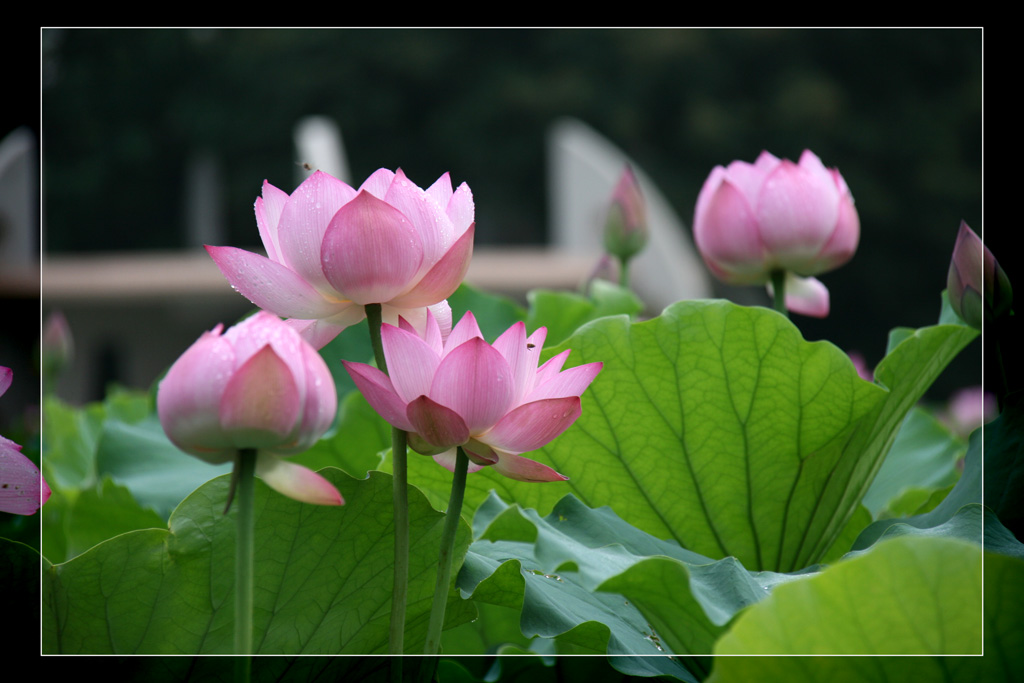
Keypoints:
pixel 433 334
pixel 533 425
pixel 534 347
pixel 523 469
pixel 749 178
pixel 411 362
pixel 726 231
pixel 447 461
pixel 296 482
pixel 798 207
pixel 20 481
pixel 378 391
pixel 371 251
pixel 571 382
pixel 321 405
pixel 188 400
pixel 261 403
pixel 304 221
pixel 805 295
pixel 537 339
pixel 474 380
pixel 522 360
pixel 707 191
pixel 416 319
pixel 810 162
pixel 404 324
pixel 320 333
pixel 437 425
pixel 268 216
pixel 465 330
pixel 250 336
pixel 443 278
pixel 442 313
pixel 432 224
pixel 551 368
pixel 379 182
pixel 272 286
pixel 841 246
pixel 441 190
pixel 461 210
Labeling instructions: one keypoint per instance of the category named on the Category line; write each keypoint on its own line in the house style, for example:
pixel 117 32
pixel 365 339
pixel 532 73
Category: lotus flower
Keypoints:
pixel 257 386
pixel 492 400
pixel 976 284
pixel 754 219
pixel 22 488
pixel 57 346
pixel 625 229
pixel 331 250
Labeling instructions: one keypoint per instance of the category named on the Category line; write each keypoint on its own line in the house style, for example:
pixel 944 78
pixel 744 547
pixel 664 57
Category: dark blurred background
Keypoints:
pixel 899 112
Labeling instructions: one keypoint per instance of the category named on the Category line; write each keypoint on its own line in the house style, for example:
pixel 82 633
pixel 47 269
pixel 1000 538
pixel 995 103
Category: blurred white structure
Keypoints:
pixel 583 170
pixel 204 200
pixel 319 145
pixel 19 198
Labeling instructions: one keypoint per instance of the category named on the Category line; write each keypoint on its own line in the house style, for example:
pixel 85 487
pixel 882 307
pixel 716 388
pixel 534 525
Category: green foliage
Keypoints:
pixel 494 314
pixel 689 603
pixel 909 595
pixel 565 312
pixel 718 426
pixel 922 460
pixel 322 578
pixel 716 480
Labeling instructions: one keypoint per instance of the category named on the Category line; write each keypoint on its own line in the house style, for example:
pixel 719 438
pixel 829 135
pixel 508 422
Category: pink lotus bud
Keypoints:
pixel 22 488
pixel 258 386
pixel 492 400
pixel 57 346
pixel 625 229
pixel 977 286
pixel 753 219
pixel 332 249
pixel 970 408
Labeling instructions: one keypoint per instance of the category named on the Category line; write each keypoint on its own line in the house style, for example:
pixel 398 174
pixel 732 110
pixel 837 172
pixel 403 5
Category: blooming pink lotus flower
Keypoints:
pixel 492 400
pixel 332 249
pixel 22 488
pixel 753 219
pixel 258 386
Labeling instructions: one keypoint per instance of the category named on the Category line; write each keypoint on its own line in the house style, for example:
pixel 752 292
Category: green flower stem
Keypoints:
pixel 779 288
pixel 444 560
pixel 400 497
pixel 624 272
pixel 245 467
